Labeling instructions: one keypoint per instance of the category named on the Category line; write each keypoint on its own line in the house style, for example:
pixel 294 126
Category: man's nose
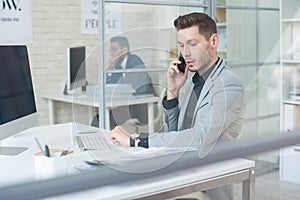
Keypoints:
pixel 186 52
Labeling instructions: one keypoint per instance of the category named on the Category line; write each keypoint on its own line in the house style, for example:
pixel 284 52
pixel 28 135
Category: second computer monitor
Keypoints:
pixel 76 67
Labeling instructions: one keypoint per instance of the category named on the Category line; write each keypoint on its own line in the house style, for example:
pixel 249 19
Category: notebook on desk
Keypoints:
pixel 92 141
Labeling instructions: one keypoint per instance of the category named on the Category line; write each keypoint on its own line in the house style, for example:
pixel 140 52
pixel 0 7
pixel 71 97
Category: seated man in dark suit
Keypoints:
pixel 121 58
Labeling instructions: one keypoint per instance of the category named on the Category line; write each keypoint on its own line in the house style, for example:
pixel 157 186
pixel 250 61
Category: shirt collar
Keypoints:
pixel 123 62
pixel 200 79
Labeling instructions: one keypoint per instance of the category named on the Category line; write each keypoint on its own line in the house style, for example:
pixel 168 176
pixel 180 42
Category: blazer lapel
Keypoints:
pixel 209 83
pixel 205 90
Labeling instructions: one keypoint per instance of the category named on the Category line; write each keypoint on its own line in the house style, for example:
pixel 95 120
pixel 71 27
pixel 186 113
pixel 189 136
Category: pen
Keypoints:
pixel 64 152
pixel 47 152
pixel 39 144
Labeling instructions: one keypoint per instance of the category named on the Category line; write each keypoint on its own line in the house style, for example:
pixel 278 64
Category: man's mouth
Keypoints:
pixel 189 62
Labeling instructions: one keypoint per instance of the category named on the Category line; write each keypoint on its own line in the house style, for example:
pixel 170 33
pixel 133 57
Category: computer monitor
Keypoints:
pixel 17 104
pixel 76 66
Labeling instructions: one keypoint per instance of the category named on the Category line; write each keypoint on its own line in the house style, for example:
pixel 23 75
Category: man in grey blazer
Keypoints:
pixel 211 110
pixel 216 113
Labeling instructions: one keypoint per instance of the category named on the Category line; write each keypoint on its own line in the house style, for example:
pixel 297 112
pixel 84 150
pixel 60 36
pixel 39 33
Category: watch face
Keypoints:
pixel 135 135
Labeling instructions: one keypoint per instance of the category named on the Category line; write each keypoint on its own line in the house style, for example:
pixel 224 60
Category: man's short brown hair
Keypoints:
pixel 206 25
pixel 122 41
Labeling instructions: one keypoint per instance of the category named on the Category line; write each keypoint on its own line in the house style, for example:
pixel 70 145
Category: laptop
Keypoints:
pixel 92 141
pixel 111 90
pixel 118 90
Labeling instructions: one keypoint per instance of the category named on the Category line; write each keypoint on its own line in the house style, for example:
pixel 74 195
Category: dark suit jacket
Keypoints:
pixel 140 81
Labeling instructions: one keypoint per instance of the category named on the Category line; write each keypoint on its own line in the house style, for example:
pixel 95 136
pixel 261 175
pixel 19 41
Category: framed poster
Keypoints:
pixel 15 22
pixel 89 17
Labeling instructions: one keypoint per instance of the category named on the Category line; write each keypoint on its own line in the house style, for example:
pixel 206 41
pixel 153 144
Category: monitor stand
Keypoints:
pixel 12 151
pixel 65 91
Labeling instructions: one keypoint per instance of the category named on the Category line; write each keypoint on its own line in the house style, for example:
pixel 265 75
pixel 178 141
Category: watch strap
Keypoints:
pixel 132 142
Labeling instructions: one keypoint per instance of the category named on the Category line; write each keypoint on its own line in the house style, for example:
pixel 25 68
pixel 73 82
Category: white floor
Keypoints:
pixel 267 187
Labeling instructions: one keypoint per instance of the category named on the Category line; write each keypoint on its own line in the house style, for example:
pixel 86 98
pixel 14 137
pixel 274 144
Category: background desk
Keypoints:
pixel 81 99
pixel 20 168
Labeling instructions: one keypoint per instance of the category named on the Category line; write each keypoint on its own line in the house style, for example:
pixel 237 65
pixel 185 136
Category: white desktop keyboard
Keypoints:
pixel 92 142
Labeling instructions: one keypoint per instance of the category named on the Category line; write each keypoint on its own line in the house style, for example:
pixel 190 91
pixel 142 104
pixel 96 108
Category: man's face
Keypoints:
pixel 116 51
pixel 196 50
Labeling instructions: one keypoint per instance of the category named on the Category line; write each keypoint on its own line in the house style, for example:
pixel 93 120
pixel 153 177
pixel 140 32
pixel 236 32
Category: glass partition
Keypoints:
pixel 148 28
pixel 254 56
pixel 249 43
pixel 251 53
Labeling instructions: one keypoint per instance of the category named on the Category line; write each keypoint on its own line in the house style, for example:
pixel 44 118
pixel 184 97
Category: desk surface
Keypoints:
pixel 83 99
pixel 20 168
pixel 168 182
pixel 22 165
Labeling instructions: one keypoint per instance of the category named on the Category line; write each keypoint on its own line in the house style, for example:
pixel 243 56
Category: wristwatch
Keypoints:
pixel 133 138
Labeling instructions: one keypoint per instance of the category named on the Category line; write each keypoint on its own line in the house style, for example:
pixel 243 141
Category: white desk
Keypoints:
pixel 20 168
pixel 82 99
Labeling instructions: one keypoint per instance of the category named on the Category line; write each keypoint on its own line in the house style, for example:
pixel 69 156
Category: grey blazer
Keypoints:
pixel 217 117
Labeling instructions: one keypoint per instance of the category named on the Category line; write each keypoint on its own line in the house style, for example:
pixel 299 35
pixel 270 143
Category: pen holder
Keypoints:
pixel 51 167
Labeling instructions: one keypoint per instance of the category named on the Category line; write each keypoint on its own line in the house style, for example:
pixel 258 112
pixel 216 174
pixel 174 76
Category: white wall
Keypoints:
pixel 56 26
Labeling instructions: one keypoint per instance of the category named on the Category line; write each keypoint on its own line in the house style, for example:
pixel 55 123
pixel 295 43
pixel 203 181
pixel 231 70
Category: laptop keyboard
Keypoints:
pixel 92 142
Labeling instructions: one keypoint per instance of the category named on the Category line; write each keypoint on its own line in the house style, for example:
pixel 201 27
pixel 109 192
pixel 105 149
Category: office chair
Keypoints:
pixel 136 125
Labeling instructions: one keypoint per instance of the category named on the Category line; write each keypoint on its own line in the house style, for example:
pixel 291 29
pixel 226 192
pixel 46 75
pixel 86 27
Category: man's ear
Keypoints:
pixel 125 50
pixel 214 40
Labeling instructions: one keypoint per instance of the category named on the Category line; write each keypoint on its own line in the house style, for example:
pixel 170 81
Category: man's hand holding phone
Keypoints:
pixel 176 77
pixel 112 63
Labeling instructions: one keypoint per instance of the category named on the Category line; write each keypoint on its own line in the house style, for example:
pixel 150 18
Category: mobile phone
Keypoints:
pixel 182 65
